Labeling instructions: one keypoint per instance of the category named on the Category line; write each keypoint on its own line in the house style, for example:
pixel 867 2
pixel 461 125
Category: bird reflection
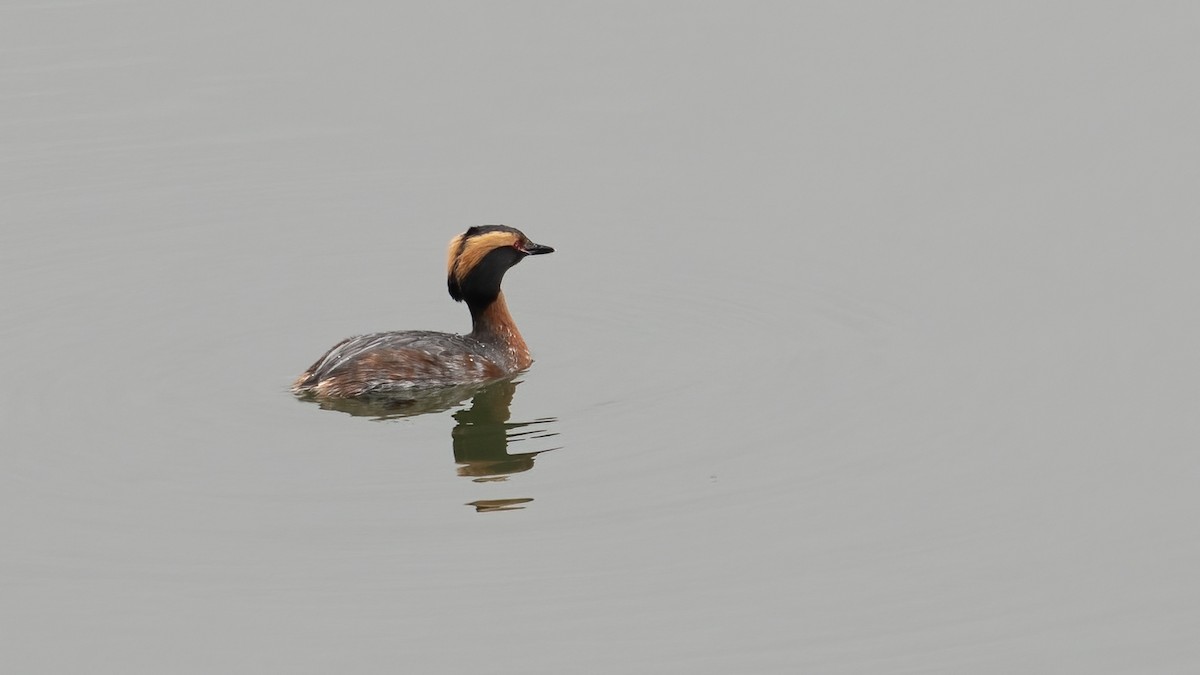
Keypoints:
pixel 480 437
pixel 485 505
pixel 483 432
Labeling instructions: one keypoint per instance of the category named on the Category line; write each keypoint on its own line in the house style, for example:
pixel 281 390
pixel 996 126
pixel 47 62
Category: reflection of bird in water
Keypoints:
pixel 483 433
pixel 480 438
pixel 484 505
pixel 406 361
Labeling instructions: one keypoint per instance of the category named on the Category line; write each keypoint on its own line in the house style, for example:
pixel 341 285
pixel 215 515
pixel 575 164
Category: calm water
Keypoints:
pixel 870 344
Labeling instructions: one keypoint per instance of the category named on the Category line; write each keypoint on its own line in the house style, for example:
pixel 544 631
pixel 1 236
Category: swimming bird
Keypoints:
pixel 404 361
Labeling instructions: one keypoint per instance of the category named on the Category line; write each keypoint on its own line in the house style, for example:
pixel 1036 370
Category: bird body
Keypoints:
pixel 403 361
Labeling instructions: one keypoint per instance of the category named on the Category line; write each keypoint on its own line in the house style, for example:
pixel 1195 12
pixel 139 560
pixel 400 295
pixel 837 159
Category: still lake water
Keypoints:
pixel 870 344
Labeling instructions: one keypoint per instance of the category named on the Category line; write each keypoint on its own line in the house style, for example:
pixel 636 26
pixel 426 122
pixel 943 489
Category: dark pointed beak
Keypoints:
pixel 537 249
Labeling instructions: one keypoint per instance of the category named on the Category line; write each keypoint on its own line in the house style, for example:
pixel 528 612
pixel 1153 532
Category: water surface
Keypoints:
pixel 868 345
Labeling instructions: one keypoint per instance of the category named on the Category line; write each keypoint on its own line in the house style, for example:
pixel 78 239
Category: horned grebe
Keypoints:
pixel 397 362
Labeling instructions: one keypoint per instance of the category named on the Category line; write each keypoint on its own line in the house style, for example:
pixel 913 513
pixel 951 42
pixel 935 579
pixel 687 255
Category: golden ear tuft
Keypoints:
pixel 455 249
pixel 471 250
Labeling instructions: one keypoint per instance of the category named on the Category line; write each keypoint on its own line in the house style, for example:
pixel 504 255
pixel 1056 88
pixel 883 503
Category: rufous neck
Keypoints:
pixel 493 323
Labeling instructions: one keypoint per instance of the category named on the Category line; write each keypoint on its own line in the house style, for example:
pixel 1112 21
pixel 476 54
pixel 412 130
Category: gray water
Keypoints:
pixel 869 345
